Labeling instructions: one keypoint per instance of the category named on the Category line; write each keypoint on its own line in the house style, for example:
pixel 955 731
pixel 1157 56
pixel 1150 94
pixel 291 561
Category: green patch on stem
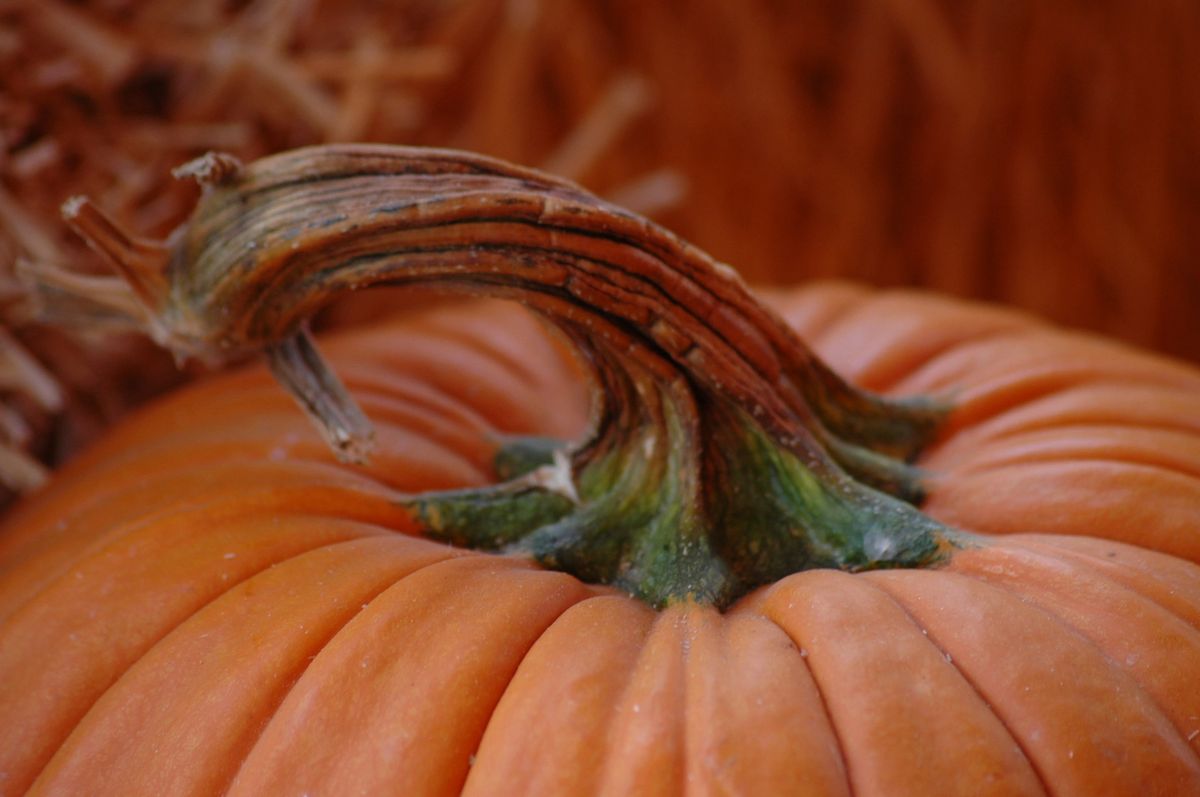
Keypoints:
pixel 773 514
pixel 667 517
pixel 519 455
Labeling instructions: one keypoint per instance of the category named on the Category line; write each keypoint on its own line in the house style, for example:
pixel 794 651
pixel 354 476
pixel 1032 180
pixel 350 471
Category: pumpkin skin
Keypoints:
pixel 207 601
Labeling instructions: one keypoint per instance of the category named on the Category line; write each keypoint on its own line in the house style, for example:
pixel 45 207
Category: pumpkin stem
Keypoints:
pixel 299 367
pixel 723 453
pixel 141 262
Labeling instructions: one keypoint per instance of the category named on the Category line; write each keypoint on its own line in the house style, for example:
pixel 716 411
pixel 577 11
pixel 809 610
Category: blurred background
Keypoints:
pixel 1042 154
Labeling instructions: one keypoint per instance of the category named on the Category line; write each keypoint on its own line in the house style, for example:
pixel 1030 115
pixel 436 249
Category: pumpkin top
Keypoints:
pixel 722 455
pixel 211 559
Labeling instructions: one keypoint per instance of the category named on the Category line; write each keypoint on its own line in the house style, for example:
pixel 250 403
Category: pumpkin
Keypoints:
pixel 222 597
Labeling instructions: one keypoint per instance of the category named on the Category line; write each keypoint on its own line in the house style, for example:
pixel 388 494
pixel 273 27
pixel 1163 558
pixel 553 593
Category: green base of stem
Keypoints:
pixel 638 525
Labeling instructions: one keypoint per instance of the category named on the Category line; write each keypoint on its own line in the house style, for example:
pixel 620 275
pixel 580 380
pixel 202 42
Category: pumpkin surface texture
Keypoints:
pixel 213 599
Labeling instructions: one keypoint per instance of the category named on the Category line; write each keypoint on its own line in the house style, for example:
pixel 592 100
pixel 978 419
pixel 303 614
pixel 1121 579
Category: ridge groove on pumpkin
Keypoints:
pixel 1043 718
pixel 1152 583
pixel 276 437
pixel 802 654
pixel 1049 497
pixel 47 523
pixel 886 365
pixel 687 623
pixel 469 621
pixel 186 612
pixel 468 337
pixel 421 365
pixel 140 711
pixel 977 406
pixel 867 626
pixel 371 382
pixel 638 752
pixel 960 452
pixel 48 527
pixel 1178 426
pixel 432 391
pixel 252 743
pixel 893 377
pixel 1000 381
pixel 1018 743
pixel 1047 595
pixel 302 445
pixel 187 446
pixel 744 674
pixel 987 400
pixel 564 694
pixel 393 414
pixel 461 441
pixel 223 506
pixel 1166 461
pixel 983 699
pixel 563 707
pixel 1098 412
pixel 394 388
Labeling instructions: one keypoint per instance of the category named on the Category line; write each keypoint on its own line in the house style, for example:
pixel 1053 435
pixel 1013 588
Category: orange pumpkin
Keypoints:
pixel 210 601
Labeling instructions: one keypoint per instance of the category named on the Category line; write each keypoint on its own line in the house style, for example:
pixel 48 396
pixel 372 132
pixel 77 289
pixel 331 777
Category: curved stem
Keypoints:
pixel 723 452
